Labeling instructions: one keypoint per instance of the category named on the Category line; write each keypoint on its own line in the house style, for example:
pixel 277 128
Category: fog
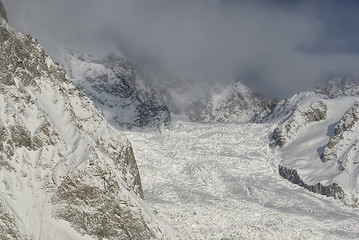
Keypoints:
pixel 276 47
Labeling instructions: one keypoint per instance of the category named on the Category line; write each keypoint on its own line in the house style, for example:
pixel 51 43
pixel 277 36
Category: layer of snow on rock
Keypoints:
pixel 65 173
pixel 109 81
pixel 317 135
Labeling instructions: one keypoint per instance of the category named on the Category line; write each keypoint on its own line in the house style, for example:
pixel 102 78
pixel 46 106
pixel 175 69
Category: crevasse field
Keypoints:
pixel 221 181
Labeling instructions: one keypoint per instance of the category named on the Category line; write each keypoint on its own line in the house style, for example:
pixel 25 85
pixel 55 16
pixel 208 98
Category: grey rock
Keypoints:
pixel 342 145
pixel 290 126
pixel 98 210
pixel 316 112
pixel 3 12
pixel 332 190
pixel 8 228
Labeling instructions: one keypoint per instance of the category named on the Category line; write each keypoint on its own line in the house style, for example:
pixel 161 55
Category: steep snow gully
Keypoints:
pixel 221 181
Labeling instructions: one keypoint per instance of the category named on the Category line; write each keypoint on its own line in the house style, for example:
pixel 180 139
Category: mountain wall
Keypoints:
pixel 65 173
pixel 109 81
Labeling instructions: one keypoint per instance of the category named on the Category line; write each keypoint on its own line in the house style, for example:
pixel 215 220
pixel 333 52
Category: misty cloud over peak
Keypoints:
pixel 276 47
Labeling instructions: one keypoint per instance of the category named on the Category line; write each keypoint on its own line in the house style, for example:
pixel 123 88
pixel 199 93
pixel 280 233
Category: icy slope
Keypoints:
pixel 64 172
pixel 221 181
pixel 109 81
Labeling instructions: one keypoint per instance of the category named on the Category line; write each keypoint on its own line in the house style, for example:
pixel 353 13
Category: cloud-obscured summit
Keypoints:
pixel 275 47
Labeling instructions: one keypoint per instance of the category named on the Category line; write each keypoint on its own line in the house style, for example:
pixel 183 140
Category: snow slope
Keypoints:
pixel 317 135
pixel 304 152
pixel 221 181
pixel 65 173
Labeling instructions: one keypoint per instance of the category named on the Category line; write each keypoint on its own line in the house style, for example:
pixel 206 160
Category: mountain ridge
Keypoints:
pixel 315 132
pixel 65 173
pixel 109 81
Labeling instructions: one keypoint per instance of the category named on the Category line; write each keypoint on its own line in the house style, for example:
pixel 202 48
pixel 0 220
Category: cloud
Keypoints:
pixel 276 47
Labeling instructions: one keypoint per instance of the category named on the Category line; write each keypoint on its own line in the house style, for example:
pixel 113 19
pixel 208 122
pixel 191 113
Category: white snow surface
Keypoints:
pixel 221 181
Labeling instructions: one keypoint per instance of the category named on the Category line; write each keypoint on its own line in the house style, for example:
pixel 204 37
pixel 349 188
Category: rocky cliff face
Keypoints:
pixel 298 119
pixel 110 83
pixel 2 12
pixel 332 190
pixel 65 173
pixel 342 145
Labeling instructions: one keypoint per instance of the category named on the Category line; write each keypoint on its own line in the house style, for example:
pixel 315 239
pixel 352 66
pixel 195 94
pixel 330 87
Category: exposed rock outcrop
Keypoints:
pixel 343 145
pixel 298 119
pixel 3 12
pixel 332 190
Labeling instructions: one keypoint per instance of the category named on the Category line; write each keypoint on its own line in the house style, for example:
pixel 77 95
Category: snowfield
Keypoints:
pixel 221 181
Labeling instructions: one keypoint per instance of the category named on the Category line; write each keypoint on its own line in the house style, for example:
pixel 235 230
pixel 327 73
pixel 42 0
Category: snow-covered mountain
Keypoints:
pixel 65 173
pixel 109 81
pixel 222 101
pixel 234 103
pixel 130 94
pixel 317 134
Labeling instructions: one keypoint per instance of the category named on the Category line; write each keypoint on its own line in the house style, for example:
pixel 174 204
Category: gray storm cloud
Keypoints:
pixel 276 47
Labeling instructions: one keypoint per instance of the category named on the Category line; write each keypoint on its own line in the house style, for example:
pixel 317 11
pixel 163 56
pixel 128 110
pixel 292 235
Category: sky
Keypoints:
pixel 277 47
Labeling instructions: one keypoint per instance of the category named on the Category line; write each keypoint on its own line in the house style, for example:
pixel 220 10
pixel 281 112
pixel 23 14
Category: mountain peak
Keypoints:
pixel 2 11
pixel 77 175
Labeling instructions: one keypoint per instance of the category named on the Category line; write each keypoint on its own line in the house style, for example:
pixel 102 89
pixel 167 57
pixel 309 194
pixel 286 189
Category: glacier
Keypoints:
pixel 221 181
